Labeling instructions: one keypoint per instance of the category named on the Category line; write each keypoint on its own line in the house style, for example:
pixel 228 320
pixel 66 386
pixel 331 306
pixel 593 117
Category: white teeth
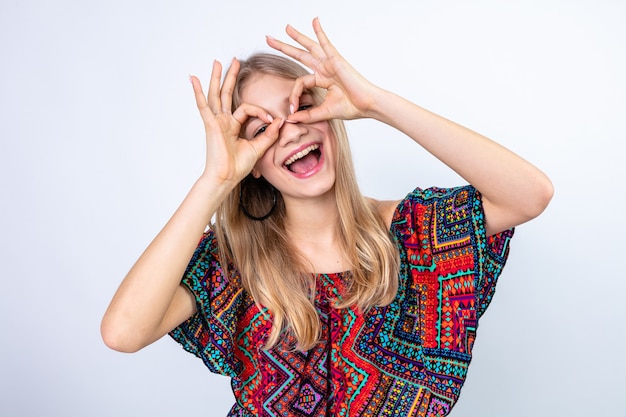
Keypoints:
pixel 301 154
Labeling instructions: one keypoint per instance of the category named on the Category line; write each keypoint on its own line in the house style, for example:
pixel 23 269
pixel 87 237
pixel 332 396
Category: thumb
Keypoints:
pixel 263 142
pixel 312 115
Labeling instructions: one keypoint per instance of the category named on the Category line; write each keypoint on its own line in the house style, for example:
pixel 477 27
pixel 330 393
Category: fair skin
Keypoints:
pixel 309 196
pixel 150 301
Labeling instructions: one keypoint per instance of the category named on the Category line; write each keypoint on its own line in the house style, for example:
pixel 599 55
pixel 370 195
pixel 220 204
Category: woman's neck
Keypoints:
pixel 312 228
pixel 312 219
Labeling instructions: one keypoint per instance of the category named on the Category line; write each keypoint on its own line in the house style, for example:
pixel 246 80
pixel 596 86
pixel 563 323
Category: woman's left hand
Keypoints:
pixel 349 95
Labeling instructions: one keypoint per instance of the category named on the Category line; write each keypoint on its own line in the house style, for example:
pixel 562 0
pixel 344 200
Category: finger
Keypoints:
pixel 213 98
pixel 263 142
pixel 226 94
pixel 298 54
pixel 310 45
pixel 323 40
pixel 312 115
pixel 246 111
pixel 197 91
pixel 205 111
pixel 301 84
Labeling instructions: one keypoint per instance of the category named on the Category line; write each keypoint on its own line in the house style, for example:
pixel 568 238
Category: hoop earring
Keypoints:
pixel 242 204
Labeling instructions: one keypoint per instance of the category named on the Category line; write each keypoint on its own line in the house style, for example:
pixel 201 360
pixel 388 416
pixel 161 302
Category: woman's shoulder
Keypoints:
pixel 385 208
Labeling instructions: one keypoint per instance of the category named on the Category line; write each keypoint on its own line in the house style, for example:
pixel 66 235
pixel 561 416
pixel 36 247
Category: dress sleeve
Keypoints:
pixel 209 333
pixel 460 215
pixel 491 255
pixel 443 231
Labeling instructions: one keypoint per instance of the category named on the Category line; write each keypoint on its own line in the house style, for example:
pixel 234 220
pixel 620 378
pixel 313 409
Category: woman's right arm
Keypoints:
pixel 150 300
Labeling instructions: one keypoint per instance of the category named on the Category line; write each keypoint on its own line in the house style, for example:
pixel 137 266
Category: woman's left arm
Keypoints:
pixel 513 190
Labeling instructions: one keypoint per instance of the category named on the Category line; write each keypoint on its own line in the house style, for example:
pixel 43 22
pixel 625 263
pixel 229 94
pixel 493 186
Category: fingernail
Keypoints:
pixel 282 122
pixel 291 109
pixel 270 37
pixel 269 116
pixel 190 79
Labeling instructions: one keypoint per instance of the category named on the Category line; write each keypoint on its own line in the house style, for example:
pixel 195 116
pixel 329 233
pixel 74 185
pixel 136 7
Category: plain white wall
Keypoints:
pixel 100 141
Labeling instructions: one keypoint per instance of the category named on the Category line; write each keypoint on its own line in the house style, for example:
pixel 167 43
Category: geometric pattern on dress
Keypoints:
pixel 409 358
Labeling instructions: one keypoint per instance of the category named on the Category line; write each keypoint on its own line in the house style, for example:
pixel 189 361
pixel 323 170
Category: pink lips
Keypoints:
pixel 304 148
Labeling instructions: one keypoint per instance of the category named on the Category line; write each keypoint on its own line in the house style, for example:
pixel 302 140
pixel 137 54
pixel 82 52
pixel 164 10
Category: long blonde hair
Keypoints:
pixel 271 268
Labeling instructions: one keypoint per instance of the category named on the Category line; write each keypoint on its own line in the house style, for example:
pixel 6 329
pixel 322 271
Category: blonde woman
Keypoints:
pixel 315 300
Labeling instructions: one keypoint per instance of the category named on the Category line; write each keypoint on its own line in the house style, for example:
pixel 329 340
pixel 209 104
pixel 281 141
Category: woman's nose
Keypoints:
pixel 291 132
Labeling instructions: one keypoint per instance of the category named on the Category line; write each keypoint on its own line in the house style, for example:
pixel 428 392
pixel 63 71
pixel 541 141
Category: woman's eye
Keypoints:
pixel 259 131
pixel 304 107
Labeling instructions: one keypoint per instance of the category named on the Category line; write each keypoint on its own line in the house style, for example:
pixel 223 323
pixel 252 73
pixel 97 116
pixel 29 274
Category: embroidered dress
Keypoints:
pixel 406 359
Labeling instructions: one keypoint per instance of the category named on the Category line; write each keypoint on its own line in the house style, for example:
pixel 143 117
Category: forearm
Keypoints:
pixel 144 306
pixel 515 188
pixel 150 301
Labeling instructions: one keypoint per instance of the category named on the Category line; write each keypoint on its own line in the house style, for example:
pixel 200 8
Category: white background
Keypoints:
pixel 100 141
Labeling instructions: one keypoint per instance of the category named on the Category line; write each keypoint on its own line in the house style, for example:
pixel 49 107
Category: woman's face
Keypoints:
pixel 301 163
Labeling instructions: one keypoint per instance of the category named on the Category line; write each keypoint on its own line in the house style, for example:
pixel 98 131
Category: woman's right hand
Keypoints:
pixel 229 156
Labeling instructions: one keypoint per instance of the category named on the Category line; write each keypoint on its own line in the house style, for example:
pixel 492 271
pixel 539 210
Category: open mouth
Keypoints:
pixel 304 160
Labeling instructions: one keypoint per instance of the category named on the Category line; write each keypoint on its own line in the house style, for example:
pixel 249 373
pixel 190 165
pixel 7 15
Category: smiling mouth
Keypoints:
pixel 305 160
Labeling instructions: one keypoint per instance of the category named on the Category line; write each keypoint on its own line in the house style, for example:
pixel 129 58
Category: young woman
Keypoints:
pixel 313 299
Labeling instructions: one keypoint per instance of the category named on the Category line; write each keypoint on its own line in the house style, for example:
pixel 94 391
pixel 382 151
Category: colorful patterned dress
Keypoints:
pixel 407 359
